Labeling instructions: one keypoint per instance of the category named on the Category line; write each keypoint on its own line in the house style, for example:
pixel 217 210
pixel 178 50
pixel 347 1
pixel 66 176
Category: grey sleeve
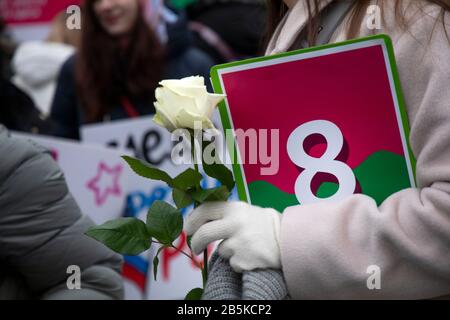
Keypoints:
pixel 98 282
pixel 42 228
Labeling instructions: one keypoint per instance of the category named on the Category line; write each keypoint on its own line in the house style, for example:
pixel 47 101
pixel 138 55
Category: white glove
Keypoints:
pixel 251 234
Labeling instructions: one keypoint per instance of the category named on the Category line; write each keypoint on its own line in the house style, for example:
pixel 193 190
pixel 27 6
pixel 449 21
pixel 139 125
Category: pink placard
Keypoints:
pixel 351 87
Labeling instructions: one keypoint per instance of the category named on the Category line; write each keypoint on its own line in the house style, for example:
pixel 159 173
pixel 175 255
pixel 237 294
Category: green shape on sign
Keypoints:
pixel 327 189
pixel 383 174
pixel 266 195
pixel 380 175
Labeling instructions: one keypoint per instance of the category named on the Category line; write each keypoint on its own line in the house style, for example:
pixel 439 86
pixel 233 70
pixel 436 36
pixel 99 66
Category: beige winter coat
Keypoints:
pixel 328 248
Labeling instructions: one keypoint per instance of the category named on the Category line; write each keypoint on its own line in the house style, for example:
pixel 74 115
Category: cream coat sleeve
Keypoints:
pixel 328 248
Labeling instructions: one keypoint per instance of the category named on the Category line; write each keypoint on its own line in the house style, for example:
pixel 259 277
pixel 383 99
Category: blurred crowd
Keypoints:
pixel 104 71
pixel 108 69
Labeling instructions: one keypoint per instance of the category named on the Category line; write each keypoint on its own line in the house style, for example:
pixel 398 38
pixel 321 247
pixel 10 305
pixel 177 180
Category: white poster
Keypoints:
pixel 177 274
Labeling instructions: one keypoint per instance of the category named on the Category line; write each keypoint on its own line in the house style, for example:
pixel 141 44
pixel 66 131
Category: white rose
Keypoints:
pixel 180 103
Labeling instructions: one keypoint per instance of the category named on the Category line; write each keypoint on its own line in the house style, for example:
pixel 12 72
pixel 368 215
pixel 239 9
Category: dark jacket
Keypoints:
pixel 42 231
pixel 239 24
pixel 18 112
pixel 183 60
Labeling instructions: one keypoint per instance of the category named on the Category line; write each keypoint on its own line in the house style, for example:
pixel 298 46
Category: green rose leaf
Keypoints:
pixel 194 294
pixel 125 235
pixel 188 179
pixel 156 262
pixel 188 240
pixel 182 199
pixel 220 172
pixel 206 195
pixel 155 266
pixel 146 170
pixel 164 222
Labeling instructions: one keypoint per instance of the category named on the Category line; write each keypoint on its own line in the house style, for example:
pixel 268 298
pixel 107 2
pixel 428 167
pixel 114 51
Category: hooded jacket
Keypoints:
pixel 42 231
pixel 36 65
pixel 327 249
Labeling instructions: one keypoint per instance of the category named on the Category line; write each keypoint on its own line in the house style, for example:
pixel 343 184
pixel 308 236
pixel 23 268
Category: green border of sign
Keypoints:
pixel 226 120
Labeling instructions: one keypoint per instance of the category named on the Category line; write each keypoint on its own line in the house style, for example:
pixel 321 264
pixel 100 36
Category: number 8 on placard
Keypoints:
pixel 326 164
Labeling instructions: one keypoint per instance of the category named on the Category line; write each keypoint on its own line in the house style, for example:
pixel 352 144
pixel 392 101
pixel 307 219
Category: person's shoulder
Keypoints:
pixel 15 152
pixel 427 34
pixel 421 20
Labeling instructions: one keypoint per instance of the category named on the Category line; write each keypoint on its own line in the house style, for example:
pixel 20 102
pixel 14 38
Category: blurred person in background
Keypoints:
pixel 17 110
pixel 41 226
pixel 36 64
pixel 228 30
pixel 119 64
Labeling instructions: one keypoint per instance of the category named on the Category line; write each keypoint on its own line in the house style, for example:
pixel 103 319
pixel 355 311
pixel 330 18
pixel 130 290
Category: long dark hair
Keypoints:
pixel 277 9
pixel 105 71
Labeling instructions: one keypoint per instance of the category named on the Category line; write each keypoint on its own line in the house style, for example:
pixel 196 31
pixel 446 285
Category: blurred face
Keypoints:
pixel 117 17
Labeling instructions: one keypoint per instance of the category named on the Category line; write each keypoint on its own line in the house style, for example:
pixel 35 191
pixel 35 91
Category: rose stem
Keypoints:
pixel 196 204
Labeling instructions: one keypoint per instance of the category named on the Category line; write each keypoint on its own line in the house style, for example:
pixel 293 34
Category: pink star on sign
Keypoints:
pixel 105 183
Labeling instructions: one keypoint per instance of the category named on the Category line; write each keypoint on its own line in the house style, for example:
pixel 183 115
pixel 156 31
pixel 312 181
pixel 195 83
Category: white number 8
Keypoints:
pixel 327 163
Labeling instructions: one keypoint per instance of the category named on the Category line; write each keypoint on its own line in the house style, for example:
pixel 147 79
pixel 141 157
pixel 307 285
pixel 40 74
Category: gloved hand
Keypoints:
pixel 251 234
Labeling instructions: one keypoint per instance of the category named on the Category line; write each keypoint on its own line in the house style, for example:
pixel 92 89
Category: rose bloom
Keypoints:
pixel 181 103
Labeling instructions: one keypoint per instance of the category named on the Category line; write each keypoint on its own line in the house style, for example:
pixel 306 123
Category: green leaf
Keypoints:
pixel 164 222
pixel 194 294
pixel 155 266
pixel 125 235
pixel 156 262
pixel 146 170
pixel 220 172
pixel 188 241
pixel 182 199
pixel 206 195
pixel 188 179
